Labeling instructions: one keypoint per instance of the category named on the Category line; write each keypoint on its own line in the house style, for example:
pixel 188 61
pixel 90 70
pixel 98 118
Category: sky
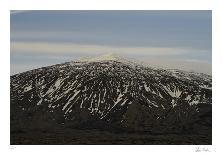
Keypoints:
pixel 170 39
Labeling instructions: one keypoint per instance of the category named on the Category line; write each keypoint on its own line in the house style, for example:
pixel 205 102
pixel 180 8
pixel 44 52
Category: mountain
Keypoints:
pixel 113 94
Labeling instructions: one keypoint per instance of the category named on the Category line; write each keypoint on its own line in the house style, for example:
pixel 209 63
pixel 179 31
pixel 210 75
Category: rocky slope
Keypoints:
pixel 112 93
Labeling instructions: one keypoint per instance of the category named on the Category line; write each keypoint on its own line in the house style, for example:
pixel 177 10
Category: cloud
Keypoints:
pixel 72 49
pixel 30 55
pixel 182 64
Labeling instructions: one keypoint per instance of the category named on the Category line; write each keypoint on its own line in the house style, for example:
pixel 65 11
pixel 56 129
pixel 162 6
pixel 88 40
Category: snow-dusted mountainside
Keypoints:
pixel 110 90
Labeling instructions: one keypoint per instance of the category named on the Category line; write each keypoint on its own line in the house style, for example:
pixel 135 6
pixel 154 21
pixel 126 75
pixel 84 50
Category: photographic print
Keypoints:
pixel 111 77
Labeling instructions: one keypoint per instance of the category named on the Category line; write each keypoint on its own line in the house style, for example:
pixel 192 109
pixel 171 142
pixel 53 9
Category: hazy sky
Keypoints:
pixel 173 39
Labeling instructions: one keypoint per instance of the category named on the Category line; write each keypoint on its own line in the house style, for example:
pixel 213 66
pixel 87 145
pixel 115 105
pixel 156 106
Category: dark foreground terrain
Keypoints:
pixel 41 130
pixel 106 138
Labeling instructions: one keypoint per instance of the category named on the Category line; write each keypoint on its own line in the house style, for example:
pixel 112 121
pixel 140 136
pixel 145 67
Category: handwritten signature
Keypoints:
pixel 203 149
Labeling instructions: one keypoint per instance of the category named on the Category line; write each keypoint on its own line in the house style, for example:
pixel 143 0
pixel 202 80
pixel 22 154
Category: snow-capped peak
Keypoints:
pixel 106 57
pixel 113 57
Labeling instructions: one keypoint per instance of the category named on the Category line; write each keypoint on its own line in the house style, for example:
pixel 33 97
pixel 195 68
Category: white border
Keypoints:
pixel 110 5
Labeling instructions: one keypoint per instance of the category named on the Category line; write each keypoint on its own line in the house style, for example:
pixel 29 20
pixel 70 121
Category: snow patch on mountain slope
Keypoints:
pixel 175 93
pixel 40 101
pixel 69 101
pixel 173 103
pixel 205 87
pixel 28 88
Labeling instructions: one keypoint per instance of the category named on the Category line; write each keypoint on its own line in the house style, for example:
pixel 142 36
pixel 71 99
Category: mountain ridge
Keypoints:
pixel 112 94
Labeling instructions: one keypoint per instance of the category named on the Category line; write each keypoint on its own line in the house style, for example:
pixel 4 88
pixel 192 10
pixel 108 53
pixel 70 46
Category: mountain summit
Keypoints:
pixel 109 93
pixel 111 57
pixel 106 57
